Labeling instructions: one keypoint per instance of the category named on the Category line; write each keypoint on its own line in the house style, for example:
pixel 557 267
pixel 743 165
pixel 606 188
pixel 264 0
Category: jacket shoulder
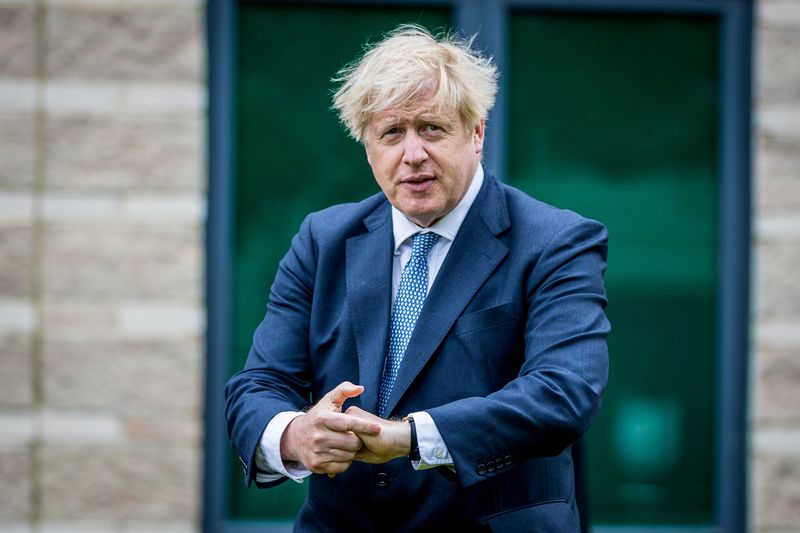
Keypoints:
pixel 344 220
pixel 531 215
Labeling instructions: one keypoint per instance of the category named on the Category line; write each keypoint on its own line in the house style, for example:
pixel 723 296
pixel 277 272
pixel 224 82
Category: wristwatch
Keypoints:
pixel 414 453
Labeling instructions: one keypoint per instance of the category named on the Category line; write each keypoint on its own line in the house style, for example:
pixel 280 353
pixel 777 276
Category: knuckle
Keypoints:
pixel 316 465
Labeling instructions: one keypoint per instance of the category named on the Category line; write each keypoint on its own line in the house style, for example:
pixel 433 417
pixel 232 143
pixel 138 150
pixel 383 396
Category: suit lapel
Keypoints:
pixel 369 277
pixel 473 256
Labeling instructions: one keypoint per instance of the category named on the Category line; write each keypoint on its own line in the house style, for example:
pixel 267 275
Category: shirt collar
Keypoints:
pixel 448 225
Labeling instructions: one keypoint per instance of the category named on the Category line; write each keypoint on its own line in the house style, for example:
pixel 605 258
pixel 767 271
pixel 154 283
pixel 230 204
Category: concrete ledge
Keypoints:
pixel 16 207
pixel 68 207
pixel 781 122
pixel 779 333
pixel 18 94
pixel 65 428
pixel 17 316
pixel 126 4
pixel 779 13
pixel 779 226
pixel 121 97
pixel 143 320
pixel 17 429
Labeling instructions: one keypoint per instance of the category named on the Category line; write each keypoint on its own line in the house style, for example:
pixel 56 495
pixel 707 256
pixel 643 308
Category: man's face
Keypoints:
pixel 422 159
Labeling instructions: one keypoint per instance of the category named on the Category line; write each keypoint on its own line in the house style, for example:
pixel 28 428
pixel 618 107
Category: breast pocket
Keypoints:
pixel 491 341
pixel 491 317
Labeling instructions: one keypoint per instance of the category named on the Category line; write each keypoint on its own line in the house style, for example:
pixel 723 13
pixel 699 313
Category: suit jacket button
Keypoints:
pixel 481 470
pixel 382 479
pixel 490 466
pixel 508 460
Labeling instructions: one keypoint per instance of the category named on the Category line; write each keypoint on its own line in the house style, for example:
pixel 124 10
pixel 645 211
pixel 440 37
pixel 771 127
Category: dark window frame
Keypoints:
pixel 734 224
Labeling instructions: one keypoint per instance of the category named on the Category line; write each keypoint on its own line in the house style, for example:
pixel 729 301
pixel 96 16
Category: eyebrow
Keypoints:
pixel 424 117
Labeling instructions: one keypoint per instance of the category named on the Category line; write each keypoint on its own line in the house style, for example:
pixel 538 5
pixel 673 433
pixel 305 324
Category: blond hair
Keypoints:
pixel 404 67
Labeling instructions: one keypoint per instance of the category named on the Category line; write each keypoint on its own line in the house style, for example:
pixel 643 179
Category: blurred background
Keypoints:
pixel 156 156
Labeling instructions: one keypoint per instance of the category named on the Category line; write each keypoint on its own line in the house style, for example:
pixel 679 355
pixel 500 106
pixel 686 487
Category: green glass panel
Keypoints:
pixel 615 117
pixel 292 158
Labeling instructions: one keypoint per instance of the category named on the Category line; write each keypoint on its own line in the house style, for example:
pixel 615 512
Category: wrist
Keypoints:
pixel 287 444
pixel 413 445
pixel 402 440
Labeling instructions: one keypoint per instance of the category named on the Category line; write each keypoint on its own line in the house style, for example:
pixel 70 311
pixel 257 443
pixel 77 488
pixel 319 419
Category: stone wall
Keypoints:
pixel 775 368
pixel 101 208
pixel 102 201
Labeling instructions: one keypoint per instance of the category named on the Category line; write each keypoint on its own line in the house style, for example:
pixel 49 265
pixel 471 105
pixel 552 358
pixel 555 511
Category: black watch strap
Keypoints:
pixel 414 453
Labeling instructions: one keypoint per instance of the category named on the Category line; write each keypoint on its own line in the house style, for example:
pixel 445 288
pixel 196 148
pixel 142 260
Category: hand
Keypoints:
pixel 324 439
pixel 393 440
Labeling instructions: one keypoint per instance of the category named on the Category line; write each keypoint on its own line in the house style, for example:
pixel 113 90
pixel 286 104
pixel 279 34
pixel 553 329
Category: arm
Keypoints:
pixel 557 391
pixel 277 374
pixel 394 440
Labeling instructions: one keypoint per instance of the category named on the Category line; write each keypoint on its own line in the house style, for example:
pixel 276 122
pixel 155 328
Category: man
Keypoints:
pixel 448 333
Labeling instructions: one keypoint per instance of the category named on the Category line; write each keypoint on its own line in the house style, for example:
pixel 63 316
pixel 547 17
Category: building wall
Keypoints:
pixel 775 363
pixel 102 185
pixel 102 179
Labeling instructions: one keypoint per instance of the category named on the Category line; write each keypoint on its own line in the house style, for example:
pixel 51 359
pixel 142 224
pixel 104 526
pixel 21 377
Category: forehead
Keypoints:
pixel 415 111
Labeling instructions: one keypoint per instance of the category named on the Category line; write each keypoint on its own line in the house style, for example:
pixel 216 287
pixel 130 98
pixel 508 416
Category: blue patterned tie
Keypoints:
pixel 407 304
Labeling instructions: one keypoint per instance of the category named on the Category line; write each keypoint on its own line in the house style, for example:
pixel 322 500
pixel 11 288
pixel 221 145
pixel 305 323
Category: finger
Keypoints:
pixel 359 412
pixel 326 440
pixel 369 458
pixel 339 455
pixel 333 468
pixel 343 422
pixel 336 442
pixel 342 392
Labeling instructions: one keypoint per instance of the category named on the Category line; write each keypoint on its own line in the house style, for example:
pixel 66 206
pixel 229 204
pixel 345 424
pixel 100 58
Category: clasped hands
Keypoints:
pixel 326 440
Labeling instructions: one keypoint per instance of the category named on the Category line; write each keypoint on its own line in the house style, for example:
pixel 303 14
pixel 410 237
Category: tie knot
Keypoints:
pixel 422 244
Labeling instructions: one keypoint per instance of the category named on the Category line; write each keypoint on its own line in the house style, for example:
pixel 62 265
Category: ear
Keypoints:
pixel 478 135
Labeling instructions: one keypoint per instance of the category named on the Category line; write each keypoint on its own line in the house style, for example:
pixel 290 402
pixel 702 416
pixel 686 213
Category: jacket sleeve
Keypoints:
pixel 277 373
pixel 558 390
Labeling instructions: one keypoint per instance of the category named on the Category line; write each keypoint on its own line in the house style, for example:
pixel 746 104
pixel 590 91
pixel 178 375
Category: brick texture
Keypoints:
pixel 100 153
pixel 778 67
pixel 778 399
pixel 138 482
pixel 778 170
pixel 17 148
pixel 127 261
pixel 15 471
pixel 16 256
pixel 16 370
pixel 778 284
pixel 775 479
pixel 17 41
pixel 120 44
pixel 101 183
pixel 122 375
pixel 778 492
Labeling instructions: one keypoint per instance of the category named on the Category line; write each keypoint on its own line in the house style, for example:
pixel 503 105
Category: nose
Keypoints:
pixel 413 149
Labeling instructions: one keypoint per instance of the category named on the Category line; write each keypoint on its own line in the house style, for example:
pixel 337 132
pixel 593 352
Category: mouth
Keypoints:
pixel 419 183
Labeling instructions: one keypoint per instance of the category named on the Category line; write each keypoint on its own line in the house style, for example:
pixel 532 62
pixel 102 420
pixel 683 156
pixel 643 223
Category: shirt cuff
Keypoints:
pixel 268 453
pixel 433 451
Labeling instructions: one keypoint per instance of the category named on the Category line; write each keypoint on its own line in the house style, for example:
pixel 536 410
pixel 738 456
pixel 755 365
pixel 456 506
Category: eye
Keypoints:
pixel 391 131
pixel 432 128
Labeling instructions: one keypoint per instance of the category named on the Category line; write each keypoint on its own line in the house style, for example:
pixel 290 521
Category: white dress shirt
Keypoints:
pixel 432 448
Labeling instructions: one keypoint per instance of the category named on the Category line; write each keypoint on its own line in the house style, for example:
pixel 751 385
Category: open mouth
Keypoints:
pixel 418 184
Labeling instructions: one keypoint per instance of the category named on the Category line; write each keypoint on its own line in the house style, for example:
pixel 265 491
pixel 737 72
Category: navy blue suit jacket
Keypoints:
pixel 508 357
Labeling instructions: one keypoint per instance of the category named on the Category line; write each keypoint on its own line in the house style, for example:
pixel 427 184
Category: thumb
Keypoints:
pixel 341 393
